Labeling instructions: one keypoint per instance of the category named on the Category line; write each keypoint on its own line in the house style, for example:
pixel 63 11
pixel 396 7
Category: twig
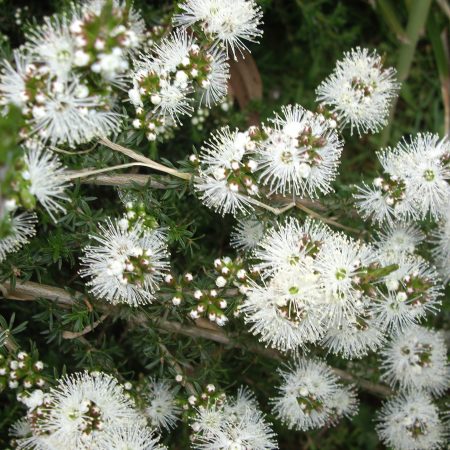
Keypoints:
pixel 125 179
pixel 86 330
pixel 60 296
pixel 147 161
pixel 325 219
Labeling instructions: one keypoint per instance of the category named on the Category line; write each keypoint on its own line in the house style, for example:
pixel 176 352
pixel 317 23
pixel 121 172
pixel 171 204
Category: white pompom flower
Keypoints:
pixel 133 437
pixel 309 396
pixel 411 422
pixel 441 251
pixel 48 178
pixel 215 87
pixel 286 313
pixel 301 153
pixel 82 407
pixel 247 234
pixel 53 45
pixel 354 338
pixel 425 159
pixel 400 238
pixel 161 407
pixel 290 244
pixel 342 264
pixel 417 360
pixel 235 424
pixel 360 91
pixel 23 227
pixel 226 182
pixel 127 263
pixel 230 23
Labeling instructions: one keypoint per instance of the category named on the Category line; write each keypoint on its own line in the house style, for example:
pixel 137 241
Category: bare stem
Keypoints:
pixel 147 161
pixel 87 173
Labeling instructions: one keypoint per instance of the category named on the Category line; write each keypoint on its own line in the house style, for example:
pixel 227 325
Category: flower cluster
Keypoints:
pixel 311 396
pixel 297 153
pixel 84 411
pixel 411 421
pixel 127 263
pixel 232 423
pixel 359 91
pixel 163 81
pixel 414 184
pixel 227 23
pixel 417 360
pixel 63 77
pixel 160 407
pixel 34 176
pixel 321 286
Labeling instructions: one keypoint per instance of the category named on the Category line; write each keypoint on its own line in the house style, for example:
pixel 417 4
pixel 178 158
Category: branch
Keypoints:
pixel 86 330
pixel 28 289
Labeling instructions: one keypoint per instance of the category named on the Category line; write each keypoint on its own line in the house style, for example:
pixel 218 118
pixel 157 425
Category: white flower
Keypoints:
pixel 225 180
pixel 353 338
pixel 22 229
pixel 411 422
pixel 52 45
pixel 126 265
pixel 247 234
pixel 12 80
pixel 401 238
pixel 416 182
pixel 66 116
pixel 230 22
pixel 286 313
pixel 341 263
pixel 300 155
pixel 161 407
pixel 237 424
pixel 20 429
pixel 131 437
pixel 172 51
pixel 290 244
pixel 82 407
pixel 425 160
pixel 417 360
pixel 343 403
pixel 360 91
pixel 309 396
pixel 441 253
pixel 414 289
pixel 215 87
pixel 48 178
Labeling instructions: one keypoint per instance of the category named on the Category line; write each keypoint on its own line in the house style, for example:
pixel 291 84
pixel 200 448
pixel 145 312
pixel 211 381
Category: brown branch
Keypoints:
pixel 25 291
pixel 86 330
pixel 125 179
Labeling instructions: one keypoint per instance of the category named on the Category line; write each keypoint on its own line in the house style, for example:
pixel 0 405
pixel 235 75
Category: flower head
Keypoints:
pixel 300 154
pixel 22 228
pixel 247 234
pixel 237 423
pixel 226 181
pixel 411 422
pixel 416 359
pixel 310 396
pixel 127 263
pixel 133 437
pixel 47 178
pixel 441 252
pixel 360 91
pixel 230 23
pixel 82 407
pixel 161 408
